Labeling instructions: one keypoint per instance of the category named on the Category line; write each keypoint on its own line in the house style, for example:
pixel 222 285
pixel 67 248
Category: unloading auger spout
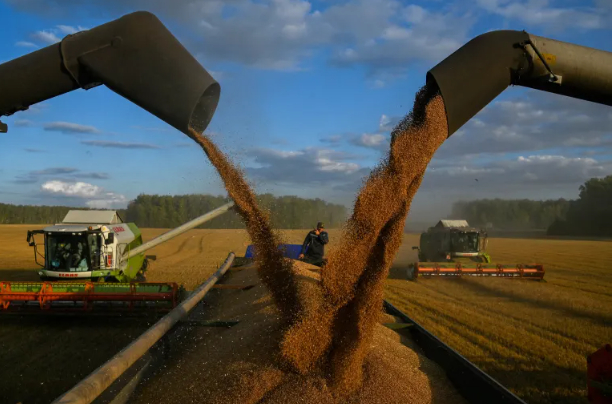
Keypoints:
pixel 480 70
pixel 135 56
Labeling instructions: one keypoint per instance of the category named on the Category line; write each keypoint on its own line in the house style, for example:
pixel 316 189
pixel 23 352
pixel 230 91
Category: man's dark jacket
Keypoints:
pixel 313 244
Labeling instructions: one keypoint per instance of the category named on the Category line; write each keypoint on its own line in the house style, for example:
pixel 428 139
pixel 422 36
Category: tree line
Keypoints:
pixel 28 214
pixel 588 216
pixel 591 214
pixel 163 211
pixel 514 214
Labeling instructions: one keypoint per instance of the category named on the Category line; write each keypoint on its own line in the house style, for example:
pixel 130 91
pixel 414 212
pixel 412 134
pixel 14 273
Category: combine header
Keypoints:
pixel 105 260
pixel 453 248
pixel 85 296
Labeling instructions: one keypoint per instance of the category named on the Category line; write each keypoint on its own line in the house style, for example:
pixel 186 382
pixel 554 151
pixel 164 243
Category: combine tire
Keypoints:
pixel 141 275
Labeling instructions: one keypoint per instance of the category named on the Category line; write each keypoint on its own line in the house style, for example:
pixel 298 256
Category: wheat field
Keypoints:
pixel 533 337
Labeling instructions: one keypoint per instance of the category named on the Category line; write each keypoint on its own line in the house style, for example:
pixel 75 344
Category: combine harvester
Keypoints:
pixel 105 259
pixel 138 58
pixel 452 248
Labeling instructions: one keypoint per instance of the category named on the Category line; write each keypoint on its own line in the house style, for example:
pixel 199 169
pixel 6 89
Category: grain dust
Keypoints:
pixel 331 325
pixel 274 270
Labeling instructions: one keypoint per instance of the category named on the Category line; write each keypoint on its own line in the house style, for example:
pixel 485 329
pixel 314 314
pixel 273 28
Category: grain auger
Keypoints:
pixel 139 59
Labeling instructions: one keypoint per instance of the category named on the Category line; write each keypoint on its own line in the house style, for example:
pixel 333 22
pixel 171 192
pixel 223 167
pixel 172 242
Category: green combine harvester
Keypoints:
pixel 453 248
pixel 93 259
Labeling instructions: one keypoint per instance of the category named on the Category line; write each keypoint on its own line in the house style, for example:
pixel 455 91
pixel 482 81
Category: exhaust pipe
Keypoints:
pixel 135 56
pixel 480 70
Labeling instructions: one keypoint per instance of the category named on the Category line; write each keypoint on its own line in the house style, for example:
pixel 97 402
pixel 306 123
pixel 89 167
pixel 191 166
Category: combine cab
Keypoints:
pixel 453 248
pixel 90 245
pixel 453 240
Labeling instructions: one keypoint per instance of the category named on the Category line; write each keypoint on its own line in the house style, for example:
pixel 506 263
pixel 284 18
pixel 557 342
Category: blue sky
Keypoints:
pixel 310 92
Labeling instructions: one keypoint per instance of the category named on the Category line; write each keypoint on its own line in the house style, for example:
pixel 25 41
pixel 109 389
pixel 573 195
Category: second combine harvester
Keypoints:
pixel 453 248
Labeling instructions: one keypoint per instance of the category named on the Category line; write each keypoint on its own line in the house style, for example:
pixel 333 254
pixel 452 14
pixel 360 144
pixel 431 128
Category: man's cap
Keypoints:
pixel 320 225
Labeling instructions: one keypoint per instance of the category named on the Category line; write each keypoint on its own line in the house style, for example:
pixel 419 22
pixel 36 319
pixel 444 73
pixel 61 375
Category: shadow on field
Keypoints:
pixel 45 355
pixel 549 383
pixel 397 271
pixel 480 288
pixel 19 275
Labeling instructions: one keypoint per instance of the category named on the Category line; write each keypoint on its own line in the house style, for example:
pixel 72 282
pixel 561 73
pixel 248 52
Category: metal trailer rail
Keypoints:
pixel 473 384
pixel 88 389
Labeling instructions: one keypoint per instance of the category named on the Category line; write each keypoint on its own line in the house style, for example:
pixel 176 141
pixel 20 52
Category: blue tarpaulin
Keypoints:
pixel 290 250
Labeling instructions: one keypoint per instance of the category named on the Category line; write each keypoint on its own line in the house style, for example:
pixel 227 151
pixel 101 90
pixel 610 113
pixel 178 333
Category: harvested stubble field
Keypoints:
pixel 531 336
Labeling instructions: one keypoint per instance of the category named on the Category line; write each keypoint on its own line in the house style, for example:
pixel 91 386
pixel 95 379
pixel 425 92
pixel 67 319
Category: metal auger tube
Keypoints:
pixel 88 389
pixel 135 56
pixel 480 70
pixel 178 231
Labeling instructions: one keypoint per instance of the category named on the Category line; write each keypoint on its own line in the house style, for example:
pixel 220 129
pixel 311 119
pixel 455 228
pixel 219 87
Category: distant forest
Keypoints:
pixel 287 212
pixel 515 214
pixel 588 216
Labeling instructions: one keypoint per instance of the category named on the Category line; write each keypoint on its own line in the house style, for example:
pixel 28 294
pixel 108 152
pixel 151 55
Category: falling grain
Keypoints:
pixel 353 279
pixel 331 324
pixel 274 270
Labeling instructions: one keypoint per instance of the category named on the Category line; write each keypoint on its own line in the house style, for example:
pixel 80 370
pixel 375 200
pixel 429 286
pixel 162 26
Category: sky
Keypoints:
pixel 310 91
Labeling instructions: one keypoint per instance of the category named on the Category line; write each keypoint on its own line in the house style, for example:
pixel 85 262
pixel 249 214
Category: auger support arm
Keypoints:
pixel 480 70
pixel 135 56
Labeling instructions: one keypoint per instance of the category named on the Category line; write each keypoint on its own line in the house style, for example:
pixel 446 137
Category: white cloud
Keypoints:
pixel 325 159
pixel 23 122
pixel 119 145
pixel 386 36
pixel 535 121
pixel 539 13
pixel 26 44
pixel 384 122
pixel 374 141
pixel 69 30
pixel 388 123
pixel 305 168
pixel 109 200
pixel 76 189
pixel 502 178
pixel 69 128
pixel 50 36
pixel 46 37
pixel 334 139
pixel 92 195
pixel 414 14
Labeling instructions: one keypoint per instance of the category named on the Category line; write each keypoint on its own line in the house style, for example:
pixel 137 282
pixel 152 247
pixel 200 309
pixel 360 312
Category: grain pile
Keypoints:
pixel 242 364
pixel 329 327
pixel 354 278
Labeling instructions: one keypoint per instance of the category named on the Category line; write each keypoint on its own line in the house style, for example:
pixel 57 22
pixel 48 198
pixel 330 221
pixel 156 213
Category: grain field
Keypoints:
pixel 532 337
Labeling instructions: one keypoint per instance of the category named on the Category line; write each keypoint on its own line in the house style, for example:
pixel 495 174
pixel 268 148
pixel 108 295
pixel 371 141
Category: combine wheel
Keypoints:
pixel 141 275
